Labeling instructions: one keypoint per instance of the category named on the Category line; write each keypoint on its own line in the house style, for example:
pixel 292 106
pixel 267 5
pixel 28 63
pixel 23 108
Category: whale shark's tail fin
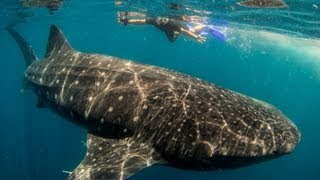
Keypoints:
pixel 27 50
pixel 57 43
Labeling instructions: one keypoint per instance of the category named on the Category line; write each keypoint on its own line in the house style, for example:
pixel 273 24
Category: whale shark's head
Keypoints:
pixel 236 131
pixel 287 137
pixel 270 138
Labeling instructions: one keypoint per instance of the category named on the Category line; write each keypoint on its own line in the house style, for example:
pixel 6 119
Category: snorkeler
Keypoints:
pixel 172 26
pixel 263 3
pixel 52 5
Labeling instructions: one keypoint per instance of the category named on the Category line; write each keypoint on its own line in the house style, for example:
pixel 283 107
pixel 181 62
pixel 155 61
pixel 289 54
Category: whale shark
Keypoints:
pixel 139 115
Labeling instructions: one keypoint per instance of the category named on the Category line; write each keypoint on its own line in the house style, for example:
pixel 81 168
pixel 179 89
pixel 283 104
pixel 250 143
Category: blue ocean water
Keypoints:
pixel 270 54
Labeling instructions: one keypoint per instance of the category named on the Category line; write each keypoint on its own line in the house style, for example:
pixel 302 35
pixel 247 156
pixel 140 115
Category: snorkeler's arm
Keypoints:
pixel 193 35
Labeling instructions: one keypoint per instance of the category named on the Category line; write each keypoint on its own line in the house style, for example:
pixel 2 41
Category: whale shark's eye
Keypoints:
pixel 275 152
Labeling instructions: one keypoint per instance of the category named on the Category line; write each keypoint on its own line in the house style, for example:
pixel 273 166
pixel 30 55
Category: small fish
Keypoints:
pixel 314 6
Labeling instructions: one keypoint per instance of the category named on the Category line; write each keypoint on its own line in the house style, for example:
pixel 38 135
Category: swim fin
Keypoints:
pixel 217 33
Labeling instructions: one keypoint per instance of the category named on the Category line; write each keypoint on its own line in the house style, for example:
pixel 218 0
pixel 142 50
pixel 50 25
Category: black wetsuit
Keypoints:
pixel 170 26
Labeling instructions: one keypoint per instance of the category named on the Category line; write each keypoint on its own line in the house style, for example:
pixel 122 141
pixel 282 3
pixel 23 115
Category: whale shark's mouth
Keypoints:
pixel 229 162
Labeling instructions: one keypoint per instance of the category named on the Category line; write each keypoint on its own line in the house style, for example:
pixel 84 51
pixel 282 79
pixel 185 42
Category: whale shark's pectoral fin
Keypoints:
pixel 25 84
pixel 114 159
pixel 40 103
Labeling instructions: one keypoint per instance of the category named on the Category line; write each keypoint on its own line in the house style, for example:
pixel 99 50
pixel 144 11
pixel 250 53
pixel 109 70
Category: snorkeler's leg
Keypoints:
pixel 137 21
pixel 193 35
pixel 124 18
pixel 195 19
pixel 192 19
pixel 200 29
pixel 136 14
pixel 197 28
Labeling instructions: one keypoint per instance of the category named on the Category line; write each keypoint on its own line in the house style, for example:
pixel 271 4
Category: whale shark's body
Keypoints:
pixel 137 115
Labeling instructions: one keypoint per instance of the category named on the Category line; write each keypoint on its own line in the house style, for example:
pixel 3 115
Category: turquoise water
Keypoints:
pixel 270 54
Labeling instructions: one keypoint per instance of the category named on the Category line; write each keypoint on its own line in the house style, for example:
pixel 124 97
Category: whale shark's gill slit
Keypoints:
pixel 62 92
pixel 140 88
pixel 184 97
pixel 98 93
pixel 114 159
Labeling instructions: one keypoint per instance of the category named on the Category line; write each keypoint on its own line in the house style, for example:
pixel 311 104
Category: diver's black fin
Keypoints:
pixel 263 3
pixel 57 43
pixel 27 50
pixel 113 159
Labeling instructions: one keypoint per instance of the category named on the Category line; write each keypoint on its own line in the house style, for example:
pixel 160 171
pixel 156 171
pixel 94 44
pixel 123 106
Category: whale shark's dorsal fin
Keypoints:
pixel 57 43
pixel 115 159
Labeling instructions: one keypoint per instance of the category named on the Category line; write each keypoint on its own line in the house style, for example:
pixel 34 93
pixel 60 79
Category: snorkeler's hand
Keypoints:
pixel 201 39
